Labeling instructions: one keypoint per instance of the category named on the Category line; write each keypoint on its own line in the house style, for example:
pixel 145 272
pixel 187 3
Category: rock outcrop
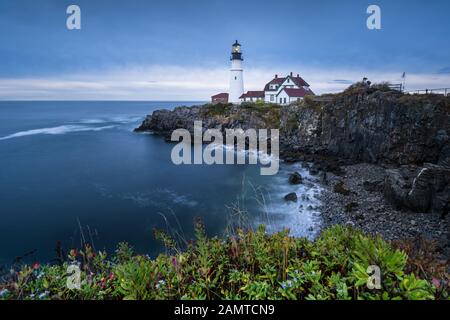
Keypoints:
pixel 373 127
pixel 359 125
pixel 363 124
pixel 295 178
pixel 419 189
pixel 291 197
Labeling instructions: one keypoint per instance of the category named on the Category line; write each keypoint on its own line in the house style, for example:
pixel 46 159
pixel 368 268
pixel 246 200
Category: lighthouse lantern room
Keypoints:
pixel 236 76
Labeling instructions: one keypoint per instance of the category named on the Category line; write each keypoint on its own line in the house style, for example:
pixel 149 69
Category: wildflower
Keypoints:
pixel 102 283
pixel 43 294
pixel 174 262
pixel 3 293
pixel 286 285
pixel 160 284
pixel 73 254
pixel 36 265
pixel 436 282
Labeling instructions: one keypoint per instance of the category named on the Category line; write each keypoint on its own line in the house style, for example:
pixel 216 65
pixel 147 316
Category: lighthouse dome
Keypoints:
pixel 236 53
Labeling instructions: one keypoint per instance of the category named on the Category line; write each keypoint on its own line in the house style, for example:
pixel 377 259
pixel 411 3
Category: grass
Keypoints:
pixel 247 265
pixel 216 109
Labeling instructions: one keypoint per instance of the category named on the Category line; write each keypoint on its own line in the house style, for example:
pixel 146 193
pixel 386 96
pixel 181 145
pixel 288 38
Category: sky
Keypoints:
pixel 179 50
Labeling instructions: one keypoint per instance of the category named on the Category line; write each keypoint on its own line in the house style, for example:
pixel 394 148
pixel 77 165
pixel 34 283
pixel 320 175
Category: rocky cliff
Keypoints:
pixel 362 124
pixel 373 126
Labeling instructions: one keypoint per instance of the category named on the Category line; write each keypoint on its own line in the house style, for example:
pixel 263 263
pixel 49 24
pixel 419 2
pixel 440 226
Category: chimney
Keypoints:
pixel 298 75
pixel 291 73
pixel 276 76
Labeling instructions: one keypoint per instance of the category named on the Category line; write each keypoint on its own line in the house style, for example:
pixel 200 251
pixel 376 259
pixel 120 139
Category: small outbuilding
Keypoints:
pixel 220 98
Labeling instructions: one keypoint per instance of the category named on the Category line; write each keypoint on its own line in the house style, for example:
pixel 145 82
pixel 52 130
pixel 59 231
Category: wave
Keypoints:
pixel 115 120
pixel 92 121
pixel 303 216
pixel 55 131
pixel 254 154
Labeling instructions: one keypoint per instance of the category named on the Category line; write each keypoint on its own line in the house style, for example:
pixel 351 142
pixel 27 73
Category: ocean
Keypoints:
pixel 74 170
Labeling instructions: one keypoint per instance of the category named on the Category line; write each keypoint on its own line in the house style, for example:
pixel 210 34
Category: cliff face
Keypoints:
pixel 374 127
pixel 408 133
pixel 387 127
pixel 219 116
pixel 365 125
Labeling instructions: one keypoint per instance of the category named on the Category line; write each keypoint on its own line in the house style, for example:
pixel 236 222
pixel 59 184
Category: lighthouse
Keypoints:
pixel 236 74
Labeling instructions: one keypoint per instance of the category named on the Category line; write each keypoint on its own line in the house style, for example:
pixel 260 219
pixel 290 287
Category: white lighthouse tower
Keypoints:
pixel 236 74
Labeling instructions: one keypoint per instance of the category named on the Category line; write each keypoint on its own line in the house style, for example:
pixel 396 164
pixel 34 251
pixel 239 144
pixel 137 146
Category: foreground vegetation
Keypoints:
pixel 249 265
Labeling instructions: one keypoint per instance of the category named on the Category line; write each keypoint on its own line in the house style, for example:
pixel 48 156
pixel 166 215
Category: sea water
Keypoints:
pixel 76 170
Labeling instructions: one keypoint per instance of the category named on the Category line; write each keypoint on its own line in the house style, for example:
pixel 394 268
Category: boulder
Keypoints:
pixel 291 197
pixel 395 188
pixel 295 178
pixel 430 190
pixel 314 171
pixel 425 189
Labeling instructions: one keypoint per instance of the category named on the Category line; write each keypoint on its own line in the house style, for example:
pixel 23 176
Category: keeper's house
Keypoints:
pixel 281 90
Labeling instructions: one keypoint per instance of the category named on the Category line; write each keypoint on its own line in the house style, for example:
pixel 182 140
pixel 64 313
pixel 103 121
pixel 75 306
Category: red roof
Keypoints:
pixel 252 94
pixel 220 96
pixel 278 81
pixel 297 80
pixel 297 93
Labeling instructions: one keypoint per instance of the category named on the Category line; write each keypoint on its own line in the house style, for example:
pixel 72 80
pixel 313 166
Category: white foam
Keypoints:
pixel 115 119
pixel 92 121
pixel 253 154
pixel 55 131
pixel 302 217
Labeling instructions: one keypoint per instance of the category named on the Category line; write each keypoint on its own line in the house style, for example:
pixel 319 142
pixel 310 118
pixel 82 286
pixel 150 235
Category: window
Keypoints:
pixel 235 78
pixel 271 97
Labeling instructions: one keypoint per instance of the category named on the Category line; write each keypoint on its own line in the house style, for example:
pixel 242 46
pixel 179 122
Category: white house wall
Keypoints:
pixel 289 84
pixel 283 95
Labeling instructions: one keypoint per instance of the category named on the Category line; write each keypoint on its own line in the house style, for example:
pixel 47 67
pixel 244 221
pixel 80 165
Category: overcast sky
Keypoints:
pixel 179 50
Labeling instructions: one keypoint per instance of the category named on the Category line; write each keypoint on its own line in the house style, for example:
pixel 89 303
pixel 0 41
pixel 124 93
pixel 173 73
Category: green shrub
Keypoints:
pixel 216 109
pixel 247 265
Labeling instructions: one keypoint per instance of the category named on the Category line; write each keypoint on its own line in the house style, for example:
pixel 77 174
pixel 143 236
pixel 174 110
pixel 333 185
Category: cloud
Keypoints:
pixel 158 82
pixel 340 81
